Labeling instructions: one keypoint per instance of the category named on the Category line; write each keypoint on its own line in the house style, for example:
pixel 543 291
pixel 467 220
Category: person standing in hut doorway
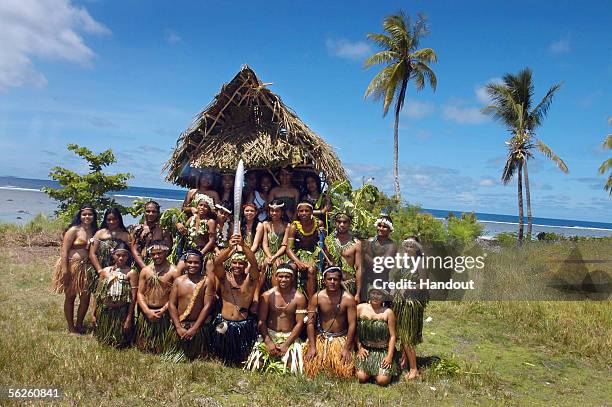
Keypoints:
pixel 205 183
pixel 286 192
pixel 261 196
pixel 303 249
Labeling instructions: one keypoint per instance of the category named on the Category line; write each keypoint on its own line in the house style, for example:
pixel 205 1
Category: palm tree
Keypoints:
pixel 404 62
pixel 512 102
pixel 607 165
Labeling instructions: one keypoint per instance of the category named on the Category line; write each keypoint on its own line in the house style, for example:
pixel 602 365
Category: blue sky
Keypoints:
pixel 132 77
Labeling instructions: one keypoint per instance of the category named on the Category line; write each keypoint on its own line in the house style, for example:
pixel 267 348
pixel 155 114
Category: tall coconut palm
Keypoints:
pixel 404 62
pixel 607 165
pixel 512 104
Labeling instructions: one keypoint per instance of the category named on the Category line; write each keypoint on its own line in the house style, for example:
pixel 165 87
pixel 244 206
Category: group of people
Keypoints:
pixel 277 295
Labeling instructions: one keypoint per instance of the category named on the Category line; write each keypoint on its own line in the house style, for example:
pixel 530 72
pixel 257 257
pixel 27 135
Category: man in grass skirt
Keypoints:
pixel 281 318
pixel 331 329
pixel 235 330
pixel 154 327
pixel 190 307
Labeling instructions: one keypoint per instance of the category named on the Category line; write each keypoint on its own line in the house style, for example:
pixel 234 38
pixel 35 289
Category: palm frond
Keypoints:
pixel 424 55
pixel 383 41
pixel 547 151
pixel 539 112
pixel 510 168
pixel 380 58
pixel 607 144
pixel 605 166
pixel 397 27
pixel 392 86
pixel 608 186
pixel 425 70
pixel 377 87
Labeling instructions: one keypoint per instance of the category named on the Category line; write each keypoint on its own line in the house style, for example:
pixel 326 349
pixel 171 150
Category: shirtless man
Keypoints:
pixel 331 328
pixel 235 330
pixel 286 192
pixel 190 305
pixel 281 319
pixel 144 234
pixel 302 249
pixel 377 246
pixel 154 285
pixel 345 252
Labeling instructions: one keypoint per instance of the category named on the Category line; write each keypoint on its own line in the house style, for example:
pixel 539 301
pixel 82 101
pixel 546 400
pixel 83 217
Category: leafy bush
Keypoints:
pixel 463 231
pixel 507 239
pixel 90 188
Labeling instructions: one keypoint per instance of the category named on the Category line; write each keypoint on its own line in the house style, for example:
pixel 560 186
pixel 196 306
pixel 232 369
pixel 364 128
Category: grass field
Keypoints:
pixel 477 353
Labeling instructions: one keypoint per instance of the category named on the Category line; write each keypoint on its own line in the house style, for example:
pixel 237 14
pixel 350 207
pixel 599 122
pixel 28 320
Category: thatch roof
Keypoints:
pixel 247 121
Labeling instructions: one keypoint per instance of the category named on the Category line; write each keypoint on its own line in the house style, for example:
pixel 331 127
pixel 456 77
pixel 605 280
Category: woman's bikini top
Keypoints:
pixel 79 244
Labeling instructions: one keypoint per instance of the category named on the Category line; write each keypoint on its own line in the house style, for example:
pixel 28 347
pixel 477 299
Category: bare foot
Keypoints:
pixel 412 374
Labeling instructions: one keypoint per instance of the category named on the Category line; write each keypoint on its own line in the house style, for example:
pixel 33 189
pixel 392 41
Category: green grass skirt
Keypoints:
pixel 109 326
pixel 192 349
pixel 371 363
pixel 154 337
pixel 409 320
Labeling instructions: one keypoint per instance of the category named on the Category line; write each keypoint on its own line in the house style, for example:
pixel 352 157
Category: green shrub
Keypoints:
pixel 507 239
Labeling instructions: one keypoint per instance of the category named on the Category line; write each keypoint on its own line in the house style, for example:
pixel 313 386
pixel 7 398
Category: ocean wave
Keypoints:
pixel 548 226
pixel 147 197
pixel 12 188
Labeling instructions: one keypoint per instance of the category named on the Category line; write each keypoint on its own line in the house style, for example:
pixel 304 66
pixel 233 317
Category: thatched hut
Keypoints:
pixel 247 121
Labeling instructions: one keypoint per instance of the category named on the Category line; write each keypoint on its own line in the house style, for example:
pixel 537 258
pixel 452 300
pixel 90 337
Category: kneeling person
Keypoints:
pixel 190 306
pixel 331 328
pixel 235 330
pixel 115 299
pixel 376 337
pixel 281 319
pixel 154 328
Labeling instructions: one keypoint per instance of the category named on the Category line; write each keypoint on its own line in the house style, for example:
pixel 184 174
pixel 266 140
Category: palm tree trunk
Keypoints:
pixel 520 203
pixel 396 158
pixel 528 201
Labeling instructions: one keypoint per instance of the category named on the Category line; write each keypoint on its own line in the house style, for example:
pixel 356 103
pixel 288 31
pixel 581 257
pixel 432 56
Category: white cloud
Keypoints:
pixel 456 111
pixel 481 91
pixel 346 49
pixel 559 47
pixel 487 182
pixel 172 37
pixel 45 29
pixel 417 110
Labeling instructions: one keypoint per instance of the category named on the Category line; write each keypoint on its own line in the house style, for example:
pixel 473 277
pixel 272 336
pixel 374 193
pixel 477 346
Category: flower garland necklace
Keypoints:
pixel 298 226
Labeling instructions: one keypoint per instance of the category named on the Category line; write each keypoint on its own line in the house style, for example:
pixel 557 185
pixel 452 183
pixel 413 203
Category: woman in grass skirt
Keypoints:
pixel 376 337
pixel 115 299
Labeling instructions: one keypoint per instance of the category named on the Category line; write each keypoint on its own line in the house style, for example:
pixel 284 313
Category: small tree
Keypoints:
pixel 91 188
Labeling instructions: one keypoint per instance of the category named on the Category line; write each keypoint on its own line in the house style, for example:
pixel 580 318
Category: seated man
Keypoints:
pixel 281 319
pixel 331 328
pixel 235 330
pixel 191 301
pixel 154 284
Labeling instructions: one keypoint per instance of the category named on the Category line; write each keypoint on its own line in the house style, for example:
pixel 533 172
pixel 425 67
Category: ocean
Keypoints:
pixel 21 200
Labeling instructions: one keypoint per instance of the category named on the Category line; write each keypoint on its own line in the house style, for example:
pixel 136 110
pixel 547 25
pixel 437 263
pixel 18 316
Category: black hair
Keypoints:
pixel 305 181
pixel 333 269
pixel 115 211
pixel 284 216
pixel 243 221
pixel 152 202
pixel 192 252
pixel 286 265
pixel 76 221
